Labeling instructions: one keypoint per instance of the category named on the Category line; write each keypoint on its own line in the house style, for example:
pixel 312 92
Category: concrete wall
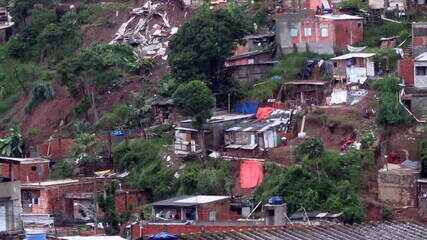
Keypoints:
pixel 10 199
pixel 250 74
pixel 398 188
pixel 420 81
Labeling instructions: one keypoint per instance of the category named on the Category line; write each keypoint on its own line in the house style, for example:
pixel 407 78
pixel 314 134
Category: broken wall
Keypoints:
pixel 398 188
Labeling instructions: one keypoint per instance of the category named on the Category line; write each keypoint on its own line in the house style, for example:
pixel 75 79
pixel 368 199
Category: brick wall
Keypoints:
pixel 222 210
pixel 34 172
pixel 406 71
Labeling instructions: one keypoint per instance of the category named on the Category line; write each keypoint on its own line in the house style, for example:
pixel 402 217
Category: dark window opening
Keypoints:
pixel 421 71
pixel 33 168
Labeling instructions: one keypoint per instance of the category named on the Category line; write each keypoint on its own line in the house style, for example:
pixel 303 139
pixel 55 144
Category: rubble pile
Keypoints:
pixel 151 26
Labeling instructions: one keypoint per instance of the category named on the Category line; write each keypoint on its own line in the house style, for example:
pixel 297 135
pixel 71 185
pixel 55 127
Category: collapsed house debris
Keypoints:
pixel 151 27
pixel 303 93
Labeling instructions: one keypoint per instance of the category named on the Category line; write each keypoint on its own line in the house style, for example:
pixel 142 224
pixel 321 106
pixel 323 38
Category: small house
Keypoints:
pixel 26 169
pixel 6 25
pixel 323 34
pixel 164 110
pixel 415 97
pixel 250 138
pixel 419 38
pixel 200 208
pixel 253 59
pixel 303 92
pixel 354 68
pixel 72 200
pixel 187 138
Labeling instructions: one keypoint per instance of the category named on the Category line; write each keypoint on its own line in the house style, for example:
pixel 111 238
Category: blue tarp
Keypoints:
pixel 247 107
pixel 164 236
pixel 118 133
pixel 35 236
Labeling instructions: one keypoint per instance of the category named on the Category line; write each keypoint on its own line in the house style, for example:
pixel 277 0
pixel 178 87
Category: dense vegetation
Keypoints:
pixel 390 111
pixel 325 180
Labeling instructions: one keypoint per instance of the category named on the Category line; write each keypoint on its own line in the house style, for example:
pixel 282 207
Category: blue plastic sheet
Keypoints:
pixel 164 236
pixel 247 107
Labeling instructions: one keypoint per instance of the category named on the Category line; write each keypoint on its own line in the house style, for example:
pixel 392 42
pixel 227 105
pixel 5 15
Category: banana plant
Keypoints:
pixel 12 145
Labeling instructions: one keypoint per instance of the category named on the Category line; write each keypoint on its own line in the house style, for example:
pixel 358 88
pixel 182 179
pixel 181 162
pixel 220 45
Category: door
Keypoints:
pixel 3 225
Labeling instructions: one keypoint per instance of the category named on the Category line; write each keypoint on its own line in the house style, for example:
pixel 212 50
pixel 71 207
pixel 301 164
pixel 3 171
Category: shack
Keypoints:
pixel 250 138
pixel 304 92
pixel 164 110
pixel 354 68
pixel 187 138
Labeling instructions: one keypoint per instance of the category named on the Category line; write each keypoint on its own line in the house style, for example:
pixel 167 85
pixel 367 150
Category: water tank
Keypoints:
pixel 276 200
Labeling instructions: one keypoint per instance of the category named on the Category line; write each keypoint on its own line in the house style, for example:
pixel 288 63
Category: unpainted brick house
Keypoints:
pixel 27 169
pixel 72 200
pixel 200 208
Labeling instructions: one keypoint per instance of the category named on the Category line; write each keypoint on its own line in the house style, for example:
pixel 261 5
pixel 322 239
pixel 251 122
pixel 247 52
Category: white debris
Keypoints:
pixel 338 96
pixel 151 40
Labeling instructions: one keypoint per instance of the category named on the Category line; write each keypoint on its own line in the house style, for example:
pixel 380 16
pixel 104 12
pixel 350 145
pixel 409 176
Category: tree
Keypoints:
pixel 13 144
pixel 390 111
pixel 86 149
pixel 62 169
pixel 196 100
pixel 96 68
pixel 107 204
pixel 201 46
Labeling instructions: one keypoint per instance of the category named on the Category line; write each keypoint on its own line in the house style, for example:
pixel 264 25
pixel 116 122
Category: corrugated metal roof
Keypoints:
pixel 353 55
pixel 187 201
pixel 422 57
pixel 387 230
pixel 340 17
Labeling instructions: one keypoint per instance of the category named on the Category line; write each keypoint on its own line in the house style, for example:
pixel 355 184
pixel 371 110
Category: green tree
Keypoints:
pixel 390 111
pixel 196 100
pixel 202 44
pixel 62 169
pixel 107 204
pixel 86 149
pixel 96 68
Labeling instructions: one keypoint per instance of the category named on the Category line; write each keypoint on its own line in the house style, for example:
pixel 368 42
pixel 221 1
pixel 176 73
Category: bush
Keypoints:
pixel 39 94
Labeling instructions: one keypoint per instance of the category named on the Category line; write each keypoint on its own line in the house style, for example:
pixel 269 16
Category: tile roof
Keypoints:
pixel 386 230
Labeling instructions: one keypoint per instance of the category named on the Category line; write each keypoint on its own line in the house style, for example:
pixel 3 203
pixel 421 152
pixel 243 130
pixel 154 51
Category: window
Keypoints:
pixel 33 168
pixel 324 31
pixel 307 32
pixel 212 216
pixel 421 71
pixel 359 25
pixel 294 32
